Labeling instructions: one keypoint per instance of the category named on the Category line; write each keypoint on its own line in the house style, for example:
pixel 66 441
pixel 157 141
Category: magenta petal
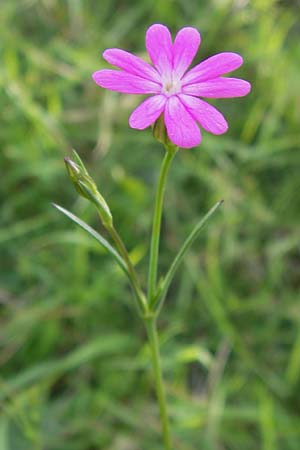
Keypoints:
pixel 213 67
pixel 125 82
pixel 147 112
pixel 131 63
pixel 219 88
pixel 159 47
pixel 185 47
pixel 181 126
pixel 209 117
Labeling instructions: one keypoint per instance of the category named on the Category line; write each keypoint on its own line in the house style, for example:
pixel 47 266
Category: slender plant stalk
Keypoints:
pixel 142 302
pixel 150 322
pixel 158 377
pixel 148 315
pixel 153 264
pixel 149 307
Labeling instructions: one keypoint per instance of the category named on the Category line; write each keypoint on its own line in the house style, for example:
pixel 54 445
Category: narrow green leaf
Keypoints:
pixel 159 299
pixel 95 235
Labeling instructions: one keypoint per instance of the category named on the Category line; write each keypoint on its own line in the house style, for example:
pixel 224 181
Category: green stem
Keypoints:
pixel 160 389
pixel 142 302
pixel 170 152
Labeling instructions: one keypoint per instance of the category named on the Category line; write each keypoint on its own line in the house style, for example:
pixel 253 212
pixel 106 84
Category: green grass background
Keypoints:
pixel 75 370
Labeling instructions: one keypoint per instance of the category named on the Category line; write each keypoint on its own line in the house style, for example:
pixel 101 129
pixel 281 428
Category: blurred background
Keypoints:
pixel 75 370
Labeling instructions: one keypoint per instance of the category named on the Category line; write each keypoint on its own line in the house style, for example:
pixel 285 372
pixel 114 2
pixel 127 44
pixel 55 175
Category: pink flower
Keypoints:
pixel 174 90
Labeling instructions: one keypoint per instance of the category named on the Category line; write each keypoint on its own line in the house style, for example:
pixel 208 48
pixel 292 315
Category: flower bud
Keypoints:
pixel 86 187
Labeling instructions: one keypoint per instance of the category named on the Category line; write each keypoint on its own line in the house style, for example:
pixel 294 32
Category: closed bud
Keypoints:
pixel 86 187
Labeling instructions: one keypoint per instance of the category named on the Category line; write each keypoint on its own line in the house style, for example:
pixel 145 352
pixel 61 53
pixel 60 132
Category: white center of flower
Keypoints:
pixel 171 87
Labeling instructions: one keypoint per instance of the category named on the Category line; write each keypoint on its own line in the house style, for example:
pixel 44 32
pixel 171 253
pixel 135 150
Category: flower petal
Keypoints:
pixel 209 117
pixel 159 47
pixel 219 88
pixel 147 112
pixel 131 63
pixel 185 47
pixel 181 126
pixel 213 67
pixel 125 82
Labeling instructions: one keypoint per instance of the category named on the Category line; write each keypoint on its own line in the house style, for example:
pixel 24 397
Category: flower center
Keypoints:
pixel 171 87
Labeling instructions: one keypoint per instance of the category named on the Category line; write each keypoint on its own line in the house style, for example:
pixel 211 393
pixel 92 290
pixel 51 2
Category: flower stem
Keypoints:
pixel 170 152
pixel 160 389
pixel 141 299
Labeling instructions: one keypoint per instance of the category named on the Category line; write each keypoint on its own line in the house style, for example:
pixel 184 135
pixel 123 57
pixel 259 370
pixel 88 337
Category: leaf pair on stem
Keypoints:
pixel 86 187
pixel 149 305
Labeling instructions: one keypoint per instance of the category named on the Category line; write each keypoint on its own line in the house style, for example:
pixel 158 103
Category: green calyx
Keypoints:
pixel 160 132
pixel 87 188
